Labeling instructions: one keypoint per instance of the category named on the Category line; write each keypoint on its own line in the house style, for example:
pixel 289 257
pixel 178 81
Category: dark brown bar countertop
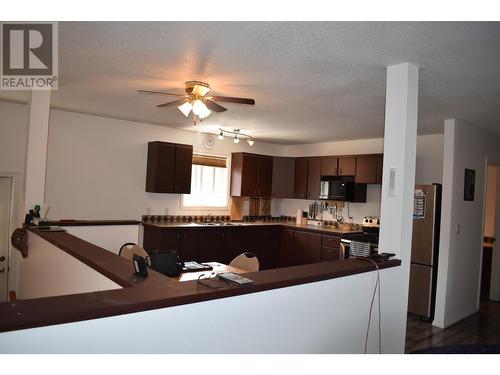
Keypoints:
pixel 155 292
pixel 80 223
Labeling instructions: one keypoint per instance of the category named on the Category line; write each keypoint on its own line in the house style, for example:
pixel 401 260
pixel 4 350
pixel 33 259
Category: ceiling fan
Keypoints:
pixel 197 100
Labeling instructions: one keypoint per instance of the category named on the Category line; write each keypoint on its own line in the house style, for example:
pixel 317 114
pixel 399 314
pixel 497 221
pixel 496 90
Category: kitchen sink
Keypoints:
pixel 209 224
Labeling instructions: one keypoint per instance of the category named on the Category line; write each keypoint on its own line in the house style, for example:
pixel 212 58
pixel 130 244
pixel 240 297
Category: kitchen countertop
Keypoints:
pixel 315 228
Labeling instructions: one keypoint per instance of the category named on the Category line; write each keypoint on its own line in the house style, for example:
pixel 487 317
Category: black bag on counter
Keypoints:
pixel 166 262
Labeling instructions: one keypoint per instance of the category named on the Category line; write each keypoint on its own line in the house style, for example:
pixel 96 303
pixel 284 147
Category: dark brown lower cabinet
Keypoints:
pixel 202 245
pixel 274 246
pixel 330 250
pixel 161 239
pixel 308 247
pixel 287 254
pixel 263 242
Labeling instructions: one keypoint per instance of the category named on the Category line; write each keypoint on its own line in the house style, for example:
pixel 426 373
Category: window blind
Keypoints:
pixel 209 161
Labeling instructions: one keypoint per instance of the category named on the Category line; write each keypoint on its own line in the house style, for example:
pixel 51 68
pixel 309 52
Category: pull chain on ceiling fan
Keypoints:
pixel 197 101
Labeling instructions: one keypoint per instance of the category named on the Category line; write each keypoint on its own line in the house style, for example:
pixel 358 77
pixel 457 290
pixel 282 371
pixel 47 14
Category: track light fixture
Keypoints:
pixel 236 134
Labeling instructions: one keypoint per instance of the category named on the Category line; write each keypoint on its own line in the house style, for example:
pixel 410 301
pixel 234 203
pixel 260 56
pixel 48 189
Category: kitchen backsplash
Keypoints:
pixel 288 207
pixel 286 210
pixel 184 218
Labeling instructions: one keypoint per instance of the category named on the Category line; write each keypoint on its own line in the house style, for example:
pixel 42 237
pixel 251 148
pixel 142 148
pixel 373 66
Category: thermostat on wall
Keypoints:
pixel 392 182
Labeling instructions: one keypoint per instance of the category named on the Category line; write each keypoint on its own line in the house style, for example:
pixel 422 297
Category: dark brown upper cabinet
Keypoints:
pixel 329 166
pixel 265 176
pixel 307 178
pixel 169 168
pixel 300 179
pixel 251 175
pixel 369 169
pixel 380 168
pixel 313 178
pixel 338 166
pixel 347 166
pixel 283 177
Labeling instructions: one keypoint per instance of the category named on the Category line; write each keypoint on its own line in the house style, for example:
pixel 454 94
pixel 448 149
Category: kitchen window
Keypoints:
pixel 209 183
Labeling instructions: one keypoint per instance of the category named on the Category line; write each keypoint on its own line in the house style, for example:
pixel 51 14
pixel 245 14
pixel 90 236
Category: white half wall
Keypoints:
pixel 329 316
pixel 49 271
pixel 109 237
pixel 462 228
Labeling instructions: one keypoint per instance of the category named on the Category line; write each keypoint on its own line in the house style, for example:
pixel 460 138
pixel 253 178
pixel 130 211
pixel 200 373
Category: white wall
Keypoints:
pixel 97 166
pixel 323 317
pixel 89 177
pixel 109 237
pixel 461 241
pixel 49 271
pixel 429 165
pixel 13 143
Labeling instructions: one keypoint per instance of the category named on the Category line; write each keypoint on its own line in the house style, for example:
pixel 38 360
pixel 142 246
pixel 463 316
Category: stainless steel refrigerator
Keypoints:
pixel 424 250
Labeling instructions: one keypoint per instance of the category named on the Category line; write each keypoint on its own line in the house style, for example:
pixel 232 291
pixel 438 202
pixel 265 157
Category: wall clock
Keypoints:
pixel 208 141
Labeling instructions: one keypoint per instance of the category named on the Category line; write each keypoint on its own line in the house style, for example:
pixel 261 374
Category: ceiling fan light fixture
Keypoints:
pixel 200 109
pixel 250 141
pixel 221 135
pixel 185 108
pixel 236 139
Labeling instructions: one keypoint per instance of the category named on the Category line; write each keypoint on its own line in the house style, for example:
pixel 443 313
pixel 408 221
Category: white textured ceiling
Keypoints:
pixel 311 81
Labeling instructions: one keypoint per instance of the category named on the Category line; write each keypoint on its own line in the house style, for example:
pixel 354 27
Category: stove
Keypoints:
pixel 362 244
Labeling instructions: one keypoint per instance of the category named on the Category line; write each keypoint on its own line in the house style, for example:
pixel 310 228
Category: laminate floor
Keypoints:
pixel 482 327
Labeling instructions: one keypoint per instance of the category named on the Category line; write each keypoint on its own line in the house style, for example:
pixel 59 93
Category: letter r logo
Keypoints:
pixel 27 49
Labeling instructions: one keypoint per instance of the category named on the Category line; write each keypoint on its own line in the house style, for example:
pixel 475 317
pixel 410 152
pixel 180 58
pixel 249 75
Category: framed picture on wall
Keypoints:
pixel 470 180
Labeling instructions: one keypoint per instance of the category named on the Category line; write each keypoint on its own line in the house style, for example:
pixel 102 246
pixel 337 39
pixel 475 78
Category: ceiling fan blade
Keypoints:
pixel 214 106
pixel 176 102
pixel 230 99
pixel 159 93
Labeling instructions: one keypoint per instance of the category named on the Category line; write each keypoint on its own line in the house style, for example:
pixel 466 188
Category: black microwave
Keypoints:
pixel 337 188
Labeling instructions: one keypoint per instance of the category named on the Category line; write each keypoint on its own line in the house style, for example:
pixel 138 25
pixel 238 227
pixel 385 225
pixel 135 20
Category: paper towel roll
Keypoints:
pixel 299 216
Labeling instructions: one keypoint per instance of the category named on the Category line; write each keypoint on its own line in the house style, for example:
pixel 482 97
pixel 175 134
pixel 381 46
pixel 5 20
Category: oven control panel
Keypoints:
pixel 371 221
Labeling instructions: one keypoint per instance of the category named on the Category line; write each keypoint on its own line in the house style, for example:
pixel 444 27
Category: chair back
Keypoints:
pixel 129 249
pixel 246 261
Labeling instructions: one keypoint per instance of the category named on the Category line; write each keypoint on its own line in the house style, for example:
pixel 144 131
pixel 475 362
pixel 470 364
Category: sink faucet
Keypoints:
pixel 208 218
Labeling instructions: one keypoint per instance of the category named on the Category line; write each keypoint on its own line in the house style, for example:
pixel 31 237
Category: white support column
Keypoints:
pixel 36 158
pixel 396 213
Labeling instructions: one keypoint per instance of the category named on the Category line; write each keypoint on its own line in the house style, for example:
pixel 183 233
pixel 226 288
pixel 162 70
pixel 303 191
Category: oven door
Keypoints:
pixel 344 248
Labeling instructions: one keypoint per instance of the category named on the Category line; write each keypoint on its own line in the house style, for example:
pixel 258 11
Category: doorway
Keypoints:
pixel 5 214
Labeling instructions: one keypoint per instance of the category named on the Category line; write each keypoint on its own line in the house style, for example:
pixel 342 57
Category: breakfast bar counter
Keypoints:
pixel 154 292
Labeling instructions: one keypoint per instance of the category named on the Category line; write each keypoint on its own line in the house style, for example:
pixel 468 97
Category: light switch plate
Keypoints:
pixel 392 182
